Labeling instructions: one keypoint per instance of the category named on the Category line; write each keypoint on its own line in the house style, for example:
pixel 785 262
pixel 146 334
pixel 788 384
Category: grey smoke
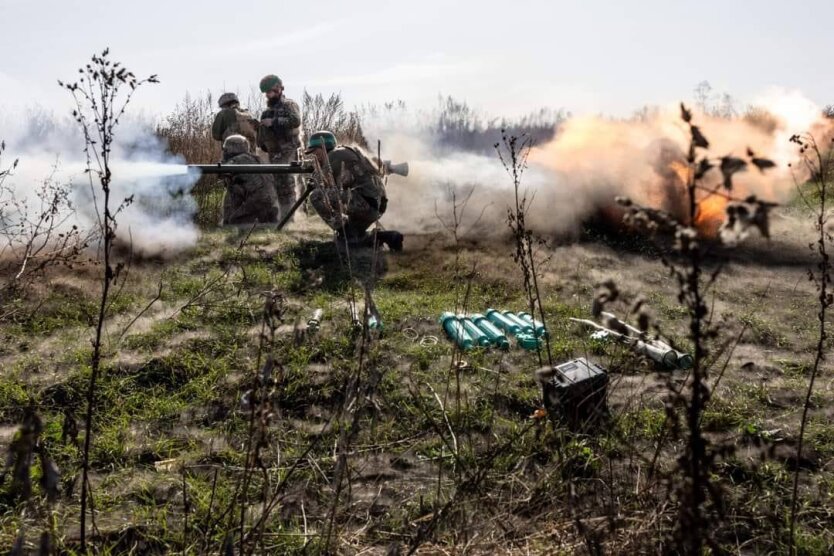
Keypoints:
pixel 158 221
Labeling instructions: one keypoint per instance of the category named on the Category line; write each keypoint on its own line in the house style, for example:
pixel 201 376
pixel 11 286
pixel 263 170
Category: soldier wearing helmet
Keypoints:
pixel 250 198
pixel 358 198
pixel 234 120
pixel 279 135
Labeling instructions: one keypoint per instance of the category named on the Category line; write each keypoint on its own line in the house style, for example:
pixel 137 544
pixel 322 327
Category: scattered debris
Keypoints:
pixel 166 465
pixel 315 321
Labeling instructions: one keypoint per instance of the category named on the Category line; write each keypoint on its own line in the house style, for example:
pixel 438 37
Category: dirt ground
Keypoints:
pixel 386 444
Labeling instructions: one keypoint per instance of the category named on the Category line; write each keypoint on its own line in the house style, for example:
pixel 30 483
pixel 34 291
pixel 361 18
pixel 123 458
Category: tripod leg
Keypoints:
pixel 294 208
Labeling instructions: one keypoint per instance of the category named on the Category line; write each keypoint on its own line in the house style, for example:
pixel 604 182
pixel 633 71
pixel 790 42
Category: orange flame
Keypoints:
pixel 681 169
pixel 711 211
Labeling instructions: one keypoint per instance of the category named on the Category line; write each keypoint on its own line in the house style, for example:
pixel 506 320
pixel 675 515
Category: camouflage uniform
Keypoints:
pixel 281 141
pixel 249 198
pixel 358 200
pixel 233 120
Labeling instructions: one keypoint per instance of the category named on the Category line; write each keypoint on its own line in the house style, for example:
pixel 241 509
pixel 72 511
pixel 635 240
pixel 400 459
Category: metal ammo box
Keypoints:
pixel 576 394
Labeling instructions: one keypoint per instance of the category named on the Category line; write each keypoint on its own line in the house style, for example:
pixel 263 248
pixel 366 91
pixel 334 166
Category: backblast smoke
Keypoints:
pixel 590 162
pixel 148 183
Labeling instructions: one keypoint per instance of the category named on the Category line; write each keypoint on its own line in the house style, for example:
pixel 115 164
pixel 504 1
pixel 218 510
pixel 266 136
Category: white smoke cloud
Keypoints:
pixel 158 221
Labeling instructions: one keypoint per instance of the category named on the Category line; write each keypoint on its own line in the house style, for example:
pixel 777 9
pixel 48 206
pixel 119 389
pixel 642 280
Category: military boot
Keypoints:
pixel 392 238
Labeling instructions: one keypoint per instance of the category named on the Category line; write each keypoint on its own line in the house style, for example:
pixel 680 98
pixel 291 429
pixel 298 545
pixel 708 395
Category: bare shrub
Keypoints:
pixel 513 152
pixel 818 160
pixel 700 504
pixel 100 102
pixel 455 124
pixel 35 230
pixel 329 114
pixel 187 130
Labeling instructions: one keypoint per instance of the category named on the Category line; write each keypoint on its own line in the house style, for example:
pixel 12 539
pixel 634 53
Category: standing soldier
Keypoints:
pixel 250 198
pixel 279 135
pixel 234 120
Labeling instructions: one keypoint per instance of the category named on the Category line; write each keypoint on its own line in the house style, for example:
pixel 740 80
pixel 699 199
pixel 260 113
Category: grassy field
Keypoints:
pixel 393 443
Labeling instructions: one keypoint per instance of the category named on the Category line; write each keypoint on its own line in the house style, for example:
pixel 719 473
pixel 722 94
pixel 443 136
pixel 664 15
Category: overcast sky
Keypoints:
pixel 506 57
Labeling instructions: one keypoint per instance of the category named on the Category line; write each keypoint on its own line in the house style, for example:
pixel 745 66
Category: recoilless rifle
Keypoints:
pixel 307 165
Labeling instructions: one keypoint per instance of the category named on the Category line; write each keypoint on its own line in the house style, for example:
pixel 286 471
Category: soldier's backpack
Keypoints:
pixel 243 124
pixel 363 166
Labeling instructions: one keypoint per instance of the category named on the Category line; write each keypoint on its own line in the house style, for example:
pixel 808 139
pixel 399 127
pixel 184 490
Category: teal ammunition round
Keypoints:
pixel 526 327
pixel 541 331
pixel 527 341
pixel 503 322
pixel 374 323
pixel 685 361
pixel 496 337
pixel 456 330
pixel 474 332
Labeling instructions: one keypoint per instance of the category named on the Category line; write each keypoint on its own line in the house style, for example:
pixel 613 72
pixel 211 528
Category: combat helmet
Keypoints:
pixel 321 138
pixel 227 98
pixel 235 144
pixel 270 81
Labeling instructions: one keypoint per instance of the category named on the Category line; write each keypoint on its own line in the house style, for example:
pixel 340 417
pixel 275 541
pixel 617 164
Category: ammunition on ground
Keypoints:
pixel 315 321
pixel 682 360
pixel 495 336
pixel 355 321
pixel 656 351
pixel 541 331
pixel 685 361
pixel 526 327
pixel 474 332
pixel 666 357
pixel 503 322
pixel 456 331
pixel 527 341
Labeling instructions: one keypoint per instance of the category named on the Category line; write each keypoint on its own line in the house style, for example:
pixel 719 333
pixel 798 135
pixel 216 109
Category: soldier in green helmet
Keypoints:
pixel 358 198
pixel 279 135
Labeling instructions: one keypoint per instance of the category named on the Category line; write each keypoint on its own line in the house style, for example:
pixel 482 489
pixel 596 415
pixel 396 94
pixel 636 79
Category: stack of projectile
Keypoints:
pixel 471 331
pixel 477 330
pixel 528 331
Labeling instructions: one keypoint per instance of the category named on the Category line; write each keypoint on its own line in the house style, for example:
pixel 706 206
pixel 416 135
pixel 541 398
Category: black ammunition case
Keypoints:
pixel 576 394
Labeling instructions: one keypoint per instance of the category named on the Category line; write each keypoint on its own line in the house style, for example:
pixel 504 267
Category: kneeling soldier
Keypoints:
pixel 250 198
pixel 359 198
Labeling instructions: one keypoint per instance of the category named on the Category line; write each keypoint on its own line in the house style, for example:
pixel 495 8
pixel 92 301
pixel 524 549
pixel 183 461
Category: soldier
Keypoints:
pixel 358 198
pixel 279 136
pixel 250 198
pixel 234 120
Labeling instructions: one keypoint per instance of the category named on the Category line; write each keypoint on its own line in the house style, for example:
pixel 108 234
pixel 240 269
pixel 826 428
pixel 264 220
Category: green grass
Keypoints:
pixel 172 388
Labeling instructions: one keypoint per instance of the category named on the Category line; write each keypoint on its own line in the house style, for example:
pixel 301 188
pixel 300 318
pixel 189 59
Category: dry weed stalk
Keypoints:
pixel 513 152
pixel 818 161
pixel 20 460
pixel 100 101
pixel 700 501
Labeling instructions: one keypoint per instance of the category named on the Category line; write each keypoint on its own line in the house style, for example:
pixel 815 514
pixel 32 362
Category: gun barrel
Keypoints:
pixel 251 168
